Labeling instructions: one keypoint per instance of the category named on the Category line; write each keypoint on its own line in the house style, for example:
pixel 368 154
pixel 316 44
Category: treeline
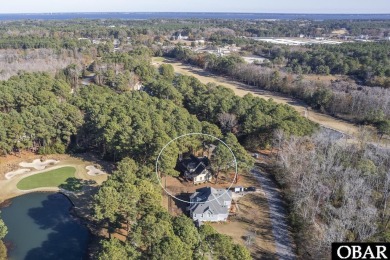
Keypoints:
pixel 367 62
pixel 31 42
pixel 80 33
pixel 344 99
pixel 336 192
pixel 120 28
pixel 12 61
pixel 356 103
pixel 294 28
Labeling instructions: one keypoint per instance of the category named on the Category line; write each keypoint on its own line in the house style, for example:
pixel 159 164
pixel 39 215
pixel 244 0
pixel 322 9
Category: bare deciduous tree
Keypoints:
pixel 333 197
pixel 227 121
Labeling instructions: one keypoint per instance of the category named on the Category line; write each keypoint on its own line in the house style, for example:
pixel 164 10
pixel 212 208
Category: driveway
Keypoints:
pixel 278 215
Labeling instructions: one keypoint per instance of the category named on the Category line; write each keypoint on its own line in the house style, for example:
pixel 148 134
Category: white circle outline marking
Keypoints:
pixel 165 146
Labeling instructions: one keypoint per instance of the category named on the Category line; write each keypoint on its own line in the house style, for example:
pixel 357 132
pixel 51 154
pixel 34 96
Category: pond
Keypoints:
pixel 40 226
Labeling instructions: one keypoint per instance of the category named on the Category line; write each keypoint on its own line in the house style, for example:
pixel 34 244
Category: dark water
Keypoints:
pixel 41 228
pixel 173 15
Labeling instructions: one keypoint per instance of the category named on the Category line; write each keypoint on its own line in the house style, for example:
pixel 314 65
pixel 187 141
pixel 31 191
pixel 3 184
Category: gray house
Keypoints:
pixel 210 205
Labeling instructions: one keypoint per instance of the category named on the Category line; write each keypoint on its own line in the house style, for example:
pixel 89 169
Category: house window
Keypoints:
pixel 200 178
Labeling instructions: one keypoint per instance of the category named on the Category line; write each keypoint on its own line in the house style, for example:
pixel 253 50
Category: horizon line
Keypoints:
pixel 194 12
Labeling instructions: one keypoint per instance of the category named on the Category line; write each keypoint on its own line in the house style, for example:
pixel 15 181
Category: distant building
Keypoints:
pixel 138 86
pixel 210 205
pixel 200 42
pixel 254 59
pixel 180 37
pixel 195 169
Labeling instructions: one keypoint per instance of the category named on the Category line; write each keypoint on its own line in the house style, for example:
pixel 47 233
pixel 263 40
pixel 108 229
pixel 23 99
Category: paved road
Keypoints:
pixel 278 215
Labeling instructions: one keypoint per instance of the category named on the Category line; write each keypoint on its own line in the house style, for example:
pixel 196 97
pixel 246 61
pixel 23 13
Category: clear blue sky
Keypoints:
pixel 253 6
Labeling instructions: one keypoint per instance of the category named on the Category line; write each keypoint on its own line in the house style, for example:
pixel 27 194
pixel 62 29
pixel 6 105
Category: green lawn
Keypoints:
pixel 54 178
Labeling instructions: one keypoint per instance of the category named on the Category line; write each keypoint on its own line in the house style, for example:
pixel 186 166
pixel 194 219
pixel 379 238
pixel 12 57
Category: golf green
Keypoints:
pixel 53 178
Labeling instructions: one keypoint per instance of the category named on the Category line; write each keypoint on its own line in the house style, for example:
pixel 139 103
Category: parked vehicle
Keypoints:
pixel 250 189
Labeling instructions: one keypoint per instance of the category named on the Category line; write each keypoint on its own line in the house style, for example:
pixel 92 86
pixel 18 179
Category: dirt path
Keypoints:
pixel 280 229
pixel 241 89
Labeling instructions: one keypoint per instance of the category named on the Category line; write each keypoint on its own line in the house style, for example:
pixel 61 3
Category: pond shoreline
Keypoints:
pixel 76 211
pixel 6 203
pixel 81 208
pixel 46 210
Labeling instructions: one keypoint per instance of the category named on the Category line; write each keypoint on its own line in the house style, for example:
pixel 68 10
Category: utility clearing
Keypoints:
pixel 241 89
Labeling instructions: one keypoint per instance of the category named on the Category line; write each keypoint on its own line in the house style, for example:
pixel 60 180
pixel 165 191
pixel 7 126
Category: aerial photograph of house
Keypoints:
pixel 210 204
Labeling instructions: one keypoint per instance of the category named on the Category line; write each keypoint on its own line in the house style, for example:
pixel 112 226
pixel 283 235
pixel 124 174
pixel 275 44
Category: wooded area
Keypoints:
pixel 336 193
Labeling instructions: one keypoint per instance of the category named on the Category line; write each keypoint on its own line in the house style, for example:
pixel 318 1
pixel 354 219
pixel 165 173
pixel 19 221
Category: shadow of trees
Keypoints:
pixel 74 184
pixel 182 205
pixel 68 238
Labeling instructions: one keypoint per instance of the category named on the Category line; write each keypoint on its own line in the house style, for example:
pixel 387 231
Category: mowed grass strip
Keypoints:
pixel 53 178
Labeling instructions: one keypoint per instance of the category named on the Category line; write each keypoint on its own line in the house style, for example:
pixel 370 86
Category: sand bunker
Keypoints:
pixel 93 171
pixel 38 164
pixel 10 175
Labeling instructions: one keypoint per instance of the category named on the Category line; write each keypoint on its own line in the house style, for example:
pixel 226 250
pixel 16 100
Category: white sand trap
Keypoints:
pixel 10 175
pixel 38 164
pixel 93 171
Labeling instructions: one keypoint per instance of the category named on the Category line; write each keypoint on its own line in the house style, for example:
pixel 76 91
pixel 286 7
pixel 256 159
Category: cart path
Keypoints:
pixel 278 214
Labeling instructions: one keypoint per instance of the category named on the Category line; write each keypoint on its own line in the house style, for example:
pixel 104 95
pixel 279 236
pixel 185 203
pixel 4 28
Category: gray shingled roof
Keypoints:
pixel 195 164
pixel 210 199
pixel 199 169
